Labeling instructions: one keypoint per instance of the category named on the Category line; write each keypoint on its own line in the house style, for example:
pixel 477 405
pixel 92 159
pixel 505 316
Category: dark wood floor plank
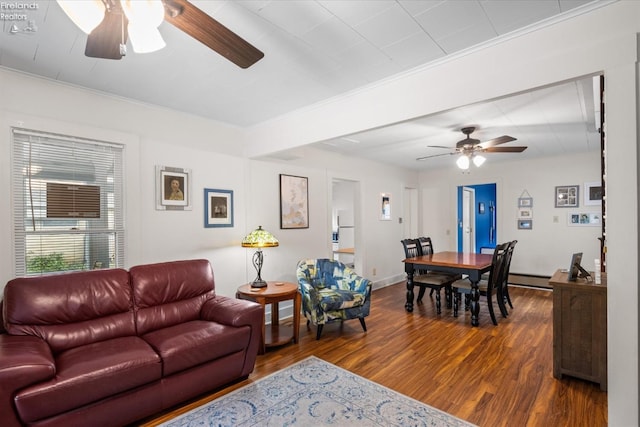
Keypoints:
pixel 489 375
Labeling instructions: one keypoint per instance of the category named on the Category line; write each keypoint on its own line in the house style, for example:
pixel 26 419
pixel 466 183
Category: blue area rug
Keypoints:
pixel 315 393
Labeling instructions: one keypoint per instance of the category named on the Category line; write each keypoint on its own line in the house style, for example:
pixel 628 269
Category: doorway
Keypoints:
pixel 343 219
pixel 477 207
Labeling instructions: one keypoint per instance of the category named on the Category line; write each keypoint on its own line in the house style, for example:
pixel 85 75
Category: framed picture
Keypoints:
pixel 592 193
pixel 173 188
pixel 584 219
pixel 294 202
pixel 567 196
pixel 385 204
pixel 481 208
pixel 525 202
pixel 218 208
pixel 525 213
pixel 525 224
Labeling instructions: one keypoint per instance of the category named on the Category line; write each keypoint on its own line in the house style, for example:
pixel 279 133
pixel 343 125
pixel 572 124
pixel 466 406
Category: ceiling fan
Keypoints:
pixel 470 148
pixel 109 23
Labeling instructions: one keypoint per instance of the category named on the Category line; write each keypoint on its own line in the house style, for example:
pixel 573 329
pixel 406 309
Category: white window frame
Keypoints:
pixel 44 245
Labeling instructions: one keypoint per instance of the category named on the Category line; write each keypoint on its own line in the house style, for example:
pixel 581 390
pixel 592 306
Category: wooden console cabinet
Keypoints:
pixel 580 328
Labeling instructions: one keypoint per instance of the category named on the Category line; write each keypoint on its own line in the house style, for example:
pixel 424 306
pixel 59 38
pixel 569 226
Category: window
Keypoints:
pixel 67 203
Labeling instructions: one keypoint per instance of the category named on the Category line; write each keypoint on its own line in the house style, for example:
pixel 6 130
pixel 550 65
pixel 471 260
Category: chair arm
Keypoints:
pixel 359 284
pixel 233 312
pixel 24 360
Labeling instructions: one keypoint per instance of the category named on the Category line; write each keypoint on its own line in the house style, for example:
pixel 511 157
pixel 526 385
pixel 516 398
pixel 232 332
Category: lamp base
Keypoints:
pixel 259 283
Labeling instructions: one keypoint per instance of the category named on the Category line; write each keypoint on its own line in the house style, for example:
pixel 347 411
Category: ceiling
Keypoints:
pixel 319 49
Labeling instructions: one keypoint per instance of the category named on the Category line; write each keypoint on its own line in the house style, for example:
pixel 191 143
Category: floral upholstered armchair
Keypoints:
pixel 332 291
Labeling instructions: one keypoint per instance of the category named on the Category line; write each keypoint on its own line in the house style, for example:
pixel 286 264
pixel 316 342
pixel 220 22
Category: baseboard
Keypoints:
pixel 531 280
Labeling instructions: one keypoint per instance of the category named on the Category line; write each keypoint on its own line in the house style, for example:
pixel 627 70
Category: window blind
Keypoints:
pixel 67 203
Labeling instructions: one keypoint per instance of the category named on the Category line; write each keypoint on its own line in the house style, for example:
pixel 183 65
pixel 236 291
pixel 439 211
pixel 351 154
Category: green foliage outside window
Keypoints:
pixel 50 263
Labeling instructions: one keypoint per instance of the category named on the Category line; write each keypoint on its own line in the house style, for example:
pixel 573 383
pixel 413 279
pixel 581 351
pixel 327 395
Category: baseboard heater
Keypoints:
pixel 532 280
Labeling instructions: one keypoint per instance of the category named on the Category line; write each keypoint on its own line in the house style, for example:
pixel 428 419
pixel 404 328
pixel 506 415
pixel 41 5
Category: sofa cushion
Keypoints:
pixel 89 373
pixel 170 293
pixel 190 344
pixel 70 310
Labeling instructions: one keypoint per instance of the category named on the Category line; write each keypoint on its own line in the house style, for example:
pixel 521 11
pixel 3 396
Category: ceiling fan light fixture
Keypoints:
pixel 145 39
pixel 463 162
pixel 144 16
pixel 478 160
pixel 85 14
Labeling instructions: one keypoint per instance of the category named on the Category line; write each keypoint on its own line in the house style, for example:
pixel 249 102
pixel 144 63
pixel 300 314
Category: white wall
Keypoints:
pixel 548 245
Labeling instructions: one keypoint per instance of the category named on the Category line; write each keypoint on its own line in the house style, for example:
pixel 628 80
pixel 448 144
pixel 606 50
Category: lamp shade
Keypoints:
pixel 259 238
pixel 463 162
pixel 85 14
pixel 478 160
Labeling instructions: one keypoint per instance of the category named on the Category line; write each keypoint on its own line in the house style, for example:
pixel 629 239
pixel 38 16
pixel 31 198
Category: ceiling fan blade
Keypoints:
pixel 504 149
pixel 497 141
pixel 435 155
pixel 105 40
pixel 439 146
pixel 196 23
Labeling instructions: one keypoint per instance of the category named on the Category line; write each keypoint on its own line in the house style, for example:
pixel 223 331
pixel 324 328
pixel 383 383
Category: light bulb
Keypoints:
pixel 463 162
pixel 478 160
pixel 85 14
pixel 144 18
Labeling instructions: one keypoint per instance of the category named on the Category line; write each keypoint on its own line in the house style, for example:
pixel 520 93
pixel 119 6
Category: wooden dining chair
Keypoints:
pixel 505 285
pixel 424 278
pixel 488 288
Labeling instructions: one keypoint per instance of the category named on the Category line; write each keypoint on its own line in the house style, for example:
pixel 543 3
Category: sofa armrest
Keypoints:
pixel 24 360
pixel 238 313
pixel 232 312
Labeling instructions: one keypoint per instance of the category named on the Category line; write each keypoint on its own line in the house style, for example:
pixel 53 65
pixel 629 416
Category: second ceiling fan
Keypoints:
pixel 470 148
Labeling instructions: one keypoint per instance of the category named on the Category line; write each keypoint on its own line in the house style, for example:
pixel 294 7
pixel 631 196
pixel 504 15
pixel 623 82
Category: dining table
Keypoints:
pixel 473 265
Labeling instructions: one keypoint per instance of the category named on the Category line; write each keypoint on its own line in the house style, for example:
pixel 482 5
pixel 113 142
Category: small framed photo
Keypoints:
pixel 567 196
pixel 218 208
pixel 173 188
pixel 294 201
pixel 525 213
pixel 481 208
pixel 525 202
pixel 385 205
pixel 525 224
pixel 592 193
pixel 584 219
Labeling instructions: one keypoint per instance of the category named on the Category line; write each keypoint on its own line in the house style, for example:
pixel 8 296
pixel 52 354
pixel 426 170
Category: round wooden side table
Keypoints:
pixel 274 293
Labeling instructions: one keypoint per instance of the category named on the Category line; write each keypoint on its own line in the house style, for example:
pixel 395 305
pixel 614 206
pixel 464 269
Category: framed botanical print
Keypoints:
pixel 173 188
pixel 294 202
pixel 218 208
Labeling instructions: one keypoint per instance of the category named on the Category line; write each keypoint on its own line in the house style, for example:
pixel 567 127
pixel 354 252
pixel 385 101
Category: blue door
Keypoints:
pixel 485 216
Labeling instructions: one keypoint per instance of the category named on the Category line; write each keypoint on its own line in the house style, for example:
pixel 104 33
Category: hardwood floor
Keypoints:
pixel 488 375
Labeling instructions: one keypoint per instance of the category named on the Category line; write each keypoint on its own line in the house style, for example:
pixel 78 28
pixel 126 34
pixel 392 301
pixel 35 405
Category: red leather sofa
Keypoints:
pixel 109 347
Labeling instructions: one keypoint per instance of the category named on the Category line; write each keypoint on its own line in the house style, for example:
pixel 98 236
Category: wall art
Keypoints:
pixel 567 196
pixel 584 219
pixel 294 202
pixel 385 204
pixel 218 208
pixel 592 193
pixel 173 188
